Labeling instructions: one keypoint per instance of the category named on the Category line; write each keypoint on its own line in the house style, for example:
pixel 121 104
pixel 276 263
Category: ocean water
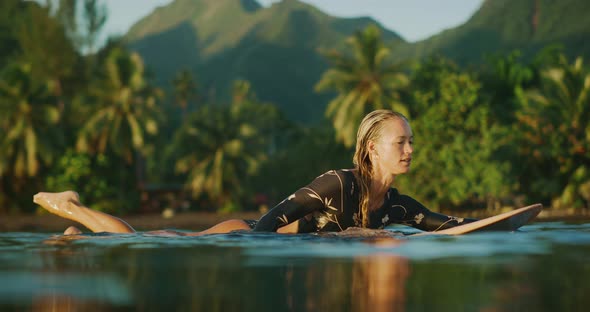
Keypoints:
pixel 544 266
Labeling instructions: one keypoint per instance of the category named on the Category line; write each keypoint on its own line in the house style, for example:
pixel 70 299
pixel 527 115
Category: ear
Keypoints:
pixel 371 147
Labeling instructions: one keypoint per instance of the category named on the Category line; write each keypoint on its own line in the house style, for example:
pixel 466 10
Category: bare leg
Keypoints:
pixel 223 227
pixel 236 224
pixel 67 205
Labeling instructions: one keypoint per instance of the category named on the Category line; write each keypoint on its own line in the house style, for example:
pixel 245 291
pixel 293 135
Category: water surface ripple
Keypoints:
pixel 542 267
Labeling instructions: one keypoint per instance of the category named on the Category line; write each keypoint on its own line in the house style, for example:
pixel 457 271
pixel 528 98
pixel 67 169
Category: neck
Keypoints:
pixel 380 185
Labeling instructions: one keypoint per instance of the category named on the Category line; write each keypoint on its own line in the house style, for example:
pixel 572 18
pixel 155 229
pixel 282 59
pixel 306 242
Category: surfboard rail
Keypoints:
pixel 508 221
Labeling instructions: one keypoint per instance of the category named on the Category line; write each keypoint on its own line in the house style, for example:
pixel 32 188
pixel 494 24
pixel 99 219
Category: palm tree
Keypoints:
pixel 555 117
pixel 126 108
pixel 29 117
pixel 505 75
pixel 363 82
pixel 44 44
pixel 220 148
pixel 185 89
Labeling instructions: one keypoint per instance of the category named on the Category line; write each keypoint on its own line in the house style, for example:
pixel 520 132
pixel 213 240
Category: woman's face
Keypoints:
pixel 393 151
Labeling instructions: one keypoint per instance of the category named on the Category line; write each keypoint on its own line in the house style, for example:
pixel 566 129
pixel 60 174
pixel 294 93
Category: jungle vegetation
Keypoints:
pixel 509 130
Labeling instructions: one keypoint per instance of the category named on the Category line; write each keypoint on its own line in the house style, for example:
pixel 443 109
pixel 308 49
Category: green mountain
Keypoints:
pixel 500 26
pixel 275 48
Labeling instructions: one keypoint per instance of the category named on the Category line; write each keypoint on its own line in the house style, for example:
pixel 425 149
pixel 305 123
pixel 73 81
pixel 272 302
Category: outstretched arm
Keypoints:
pixel 422 218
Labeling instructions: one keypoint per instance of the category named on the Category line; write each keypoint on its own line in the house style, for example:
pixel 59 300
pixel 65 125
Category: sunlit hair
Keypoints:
pixel 370 129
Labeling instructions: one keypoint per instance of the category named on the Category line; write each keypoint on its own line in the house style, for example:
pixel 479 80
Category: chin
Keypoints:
pixel 402 171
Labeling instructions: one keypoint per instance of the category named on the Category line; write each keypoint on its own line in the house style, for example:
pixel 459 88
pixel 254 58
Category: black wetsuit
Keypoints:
pixel 331 203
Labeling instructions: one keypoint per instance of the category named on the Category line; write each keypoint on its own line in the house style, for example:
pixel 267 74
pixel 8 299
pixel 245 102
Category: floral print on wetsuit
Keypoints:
pixel 331 203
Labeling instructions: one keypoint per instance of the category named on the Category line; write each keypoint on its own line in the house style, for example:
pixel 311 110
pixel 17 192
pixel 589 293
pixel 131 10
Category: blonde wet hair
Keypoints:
pixel 370 129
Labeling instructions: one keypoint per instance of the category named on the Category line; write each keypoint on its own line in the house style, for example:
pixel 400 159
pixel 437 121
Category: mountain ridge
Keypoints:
pixel 500 26
pixel 239 39
pixel 277 48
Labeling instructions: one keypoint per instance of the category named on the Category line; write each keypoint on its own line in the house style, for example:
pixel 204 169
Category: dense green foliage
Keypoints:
pixel 77 171
pixel 455 141
pixel 126 110
pixel 512 129
pixel 220 147
pixel 554 118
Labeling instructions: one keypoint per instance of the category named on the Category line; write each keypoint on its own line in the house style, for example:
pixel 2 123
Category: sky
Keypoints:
pixel 414 20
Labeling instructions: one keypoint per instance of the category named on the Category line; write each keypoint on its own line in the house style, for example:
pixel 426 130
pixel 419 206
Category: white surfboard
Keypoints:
pixel 508 221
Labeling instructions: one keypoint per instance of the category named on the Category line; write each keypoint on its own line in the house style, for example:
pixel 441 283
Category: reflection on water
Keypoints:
pixel 379 280
pixel 544 267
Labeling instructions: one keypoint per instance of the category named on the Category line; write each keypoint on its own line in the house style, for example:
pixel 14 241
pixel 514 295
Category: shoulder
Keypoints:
pixel 394 192
pixel 338 174
pixel 347 174
pixel 333 179
pixel 347 177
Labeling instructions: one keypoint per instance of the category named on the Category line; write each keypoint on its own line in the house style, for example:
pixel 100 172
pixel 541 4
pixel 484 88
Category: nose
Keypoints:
pixel 409 149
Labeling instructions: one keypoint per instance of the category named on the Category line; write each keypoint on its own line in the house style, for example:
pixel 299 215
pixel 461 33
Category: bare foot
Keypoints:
pixel 58 203
pixel 72 230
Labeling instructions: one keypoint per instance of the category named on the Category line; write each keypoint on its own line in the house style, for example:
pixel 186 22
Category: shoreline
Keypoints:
pixel 197 221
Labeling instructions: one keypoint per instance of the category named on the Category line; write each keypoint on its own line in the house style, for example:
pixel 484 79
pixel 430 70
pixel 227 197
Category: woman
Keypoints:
pixel 334 201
